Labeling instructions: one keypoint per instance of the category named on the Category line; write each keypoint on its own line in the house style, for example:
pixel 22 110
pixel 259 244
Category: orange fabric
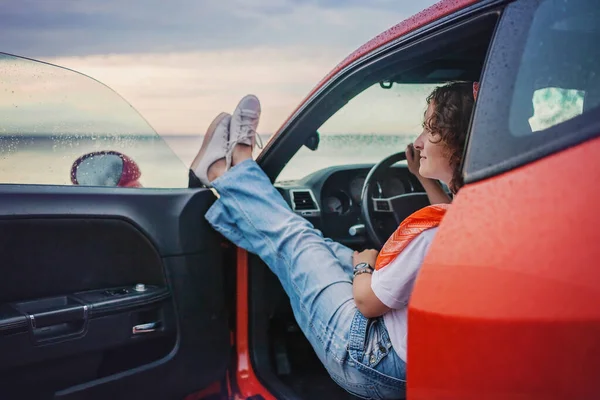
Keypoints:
pixel 418 222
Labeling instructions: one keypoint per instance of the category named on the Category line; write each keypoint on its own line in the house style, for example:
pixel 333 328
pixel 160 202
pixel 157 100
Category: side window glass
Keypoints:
pixel 376 123
pixel 560 66
pixel 51 116
pixel 541 85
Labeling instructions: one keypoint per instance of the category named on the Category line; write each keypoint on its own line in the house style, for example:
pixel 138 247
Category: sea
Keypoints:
pixel 164 161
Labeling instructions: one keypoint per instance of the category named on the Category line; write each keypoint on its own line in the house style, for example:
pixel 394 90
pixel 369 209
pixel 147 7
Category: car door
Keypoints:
pixel 506 304
pixel 106 292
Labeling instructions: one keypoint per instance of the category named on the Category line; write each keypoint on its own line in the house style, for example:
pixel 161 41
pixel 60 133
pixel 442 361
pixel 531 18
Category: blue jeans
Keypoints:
pixel 316 274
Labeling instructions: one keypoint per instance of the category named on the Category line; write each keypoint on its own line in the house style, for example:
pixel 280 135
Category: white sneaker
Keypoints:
pixel 214 147
pixel 244 122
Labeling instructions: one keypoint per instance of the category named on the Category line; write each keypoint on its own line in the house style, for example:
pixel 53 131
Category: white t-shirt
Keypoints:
pixel 393 285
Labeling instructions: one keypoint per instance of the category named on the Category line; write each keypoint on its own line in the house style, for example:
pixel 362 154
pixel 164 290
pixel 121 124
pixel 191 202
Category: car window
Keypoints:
pixel 559 67
pixel 541 85
pixel 374 124
pixel 51 116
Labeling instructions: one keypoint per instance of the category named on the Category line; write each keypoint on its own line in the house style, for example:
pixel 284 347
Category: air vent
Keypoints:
pixel 303 200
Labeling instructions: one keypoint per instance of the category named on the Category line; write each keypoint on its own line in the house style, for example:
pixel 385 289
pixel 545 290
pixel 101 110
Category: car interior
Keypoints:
pixel 281 356
pixel 72 325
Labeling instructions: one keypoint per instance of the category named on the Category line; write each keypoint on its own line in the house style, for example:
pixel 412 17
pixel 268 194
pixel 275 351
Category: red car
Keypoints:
pixel 112 292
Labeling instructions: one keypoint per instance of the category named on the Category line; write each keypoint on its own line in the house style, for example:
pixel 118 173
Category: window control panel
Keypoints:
pixel 138 288
pixel 116 292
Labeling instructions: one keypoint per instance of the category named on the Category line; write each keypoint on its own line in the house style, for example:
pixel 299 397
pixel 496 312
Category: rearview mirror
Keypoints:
pixel 312 142
pixel 105 168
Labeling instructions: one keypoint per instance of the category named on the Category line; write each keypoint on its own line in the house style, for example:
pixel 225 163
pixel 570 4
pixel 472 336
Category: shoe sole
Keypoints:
pixel 207 138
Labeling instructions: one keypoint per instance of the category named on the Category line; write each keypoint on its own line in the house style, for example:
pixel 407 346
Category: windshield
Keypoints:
pixel 50 116
pixel 376 123
pixel 344 149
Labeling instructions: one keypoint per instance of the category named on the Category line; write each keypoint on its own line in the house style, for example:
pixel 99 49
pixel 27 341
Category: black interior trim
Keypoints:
pixel 261 281
pixel 60 245
pixel 101 304
pixel 153 216
pixel 200 343
pixel 39 313
pixel 12 321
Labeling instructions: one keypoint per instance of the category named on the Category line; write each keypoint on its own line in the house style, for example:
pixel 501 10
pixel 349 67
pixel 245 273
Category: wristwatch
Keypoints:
pixel 362 268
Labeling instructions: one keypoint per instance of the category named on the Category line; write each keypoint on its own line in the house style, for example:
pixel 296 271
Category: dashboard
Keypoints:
pixel 331 198
pixel 343 190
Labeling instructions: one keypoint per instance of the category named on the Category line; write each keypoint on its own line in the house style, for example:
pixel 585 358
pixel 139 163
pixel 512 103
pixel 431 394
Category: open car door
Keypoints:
pixel 106 292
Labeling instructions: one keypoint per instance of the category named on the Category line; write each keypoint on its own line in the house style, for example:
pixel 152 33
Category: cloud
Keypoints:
pixel 179 93
pixel 181 62
pixel 84 27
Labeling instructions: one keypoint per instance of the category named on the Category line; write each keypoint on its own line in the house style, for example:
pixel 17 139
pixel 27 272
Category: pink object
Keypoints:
pixel 129 177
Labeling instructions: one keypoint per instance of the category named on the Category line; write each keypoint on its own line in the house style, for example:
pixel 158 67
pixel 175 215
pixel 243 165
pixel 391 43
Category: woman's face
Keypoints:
pixel 435 157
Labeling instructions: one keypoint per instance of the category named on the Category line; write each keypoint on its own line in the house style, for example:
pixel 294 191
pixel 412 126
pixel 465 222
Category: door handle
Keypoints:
pixel 145 328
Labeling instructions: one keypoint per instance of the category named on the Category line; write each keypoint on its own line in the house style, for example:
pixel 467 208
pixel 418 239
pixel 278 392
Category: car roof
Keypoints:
pixel 422 18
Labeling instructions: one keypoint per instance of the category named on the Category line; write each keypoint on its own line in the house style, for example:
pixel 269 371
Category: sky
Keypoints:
pixel 180 63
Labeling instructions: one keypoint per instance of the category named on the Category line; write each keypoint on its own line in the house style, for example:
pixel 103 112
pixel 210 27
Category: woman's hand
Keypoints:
pixel 366 300
pixel 366 256
pixel 413 157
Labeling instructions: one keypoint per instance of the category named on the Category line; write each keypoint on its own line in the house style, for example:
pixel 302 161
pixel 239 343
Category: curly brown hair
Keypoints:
pixel 453 104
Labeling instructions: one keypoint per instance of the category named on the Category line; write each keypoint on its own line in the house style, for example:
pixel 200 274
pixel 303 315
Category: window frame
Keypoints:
pixel 491 150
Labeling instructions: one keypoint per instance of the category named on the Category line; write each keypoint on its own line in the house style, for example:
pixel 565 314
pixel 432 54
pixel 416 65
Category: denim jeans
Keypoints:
pixel 316 274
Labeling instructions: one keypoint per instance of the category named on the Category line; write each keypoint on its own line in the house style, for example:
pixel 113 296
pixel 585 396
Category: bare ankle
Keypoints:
pixel 241 153
pixel 217 169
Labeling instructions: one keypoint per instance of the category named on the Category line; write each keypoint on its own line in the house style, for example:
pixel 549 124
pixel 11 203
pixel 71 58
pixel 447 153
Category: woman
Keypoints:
pixel 354 316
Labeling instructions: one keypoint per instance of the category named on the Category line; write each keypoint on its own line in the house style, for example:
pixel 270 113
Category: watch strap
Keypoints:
pixel 362 268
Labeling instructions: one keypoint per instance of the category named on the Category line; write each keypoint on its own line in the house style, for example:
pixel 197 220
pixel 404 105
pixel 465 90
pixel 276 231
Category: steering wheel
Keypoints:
pixel 377 212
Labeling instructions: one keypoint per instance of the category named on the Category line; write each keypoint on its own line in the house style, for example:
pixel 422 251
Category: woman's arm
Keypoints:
pixel 366 301
pixel 435 191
